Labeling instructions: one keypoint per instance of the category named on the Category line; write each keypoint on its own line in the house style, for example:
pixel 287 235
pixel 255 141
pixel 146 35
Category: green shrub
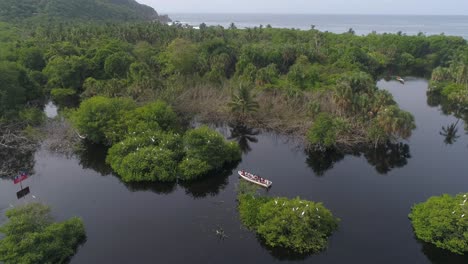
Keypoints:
pixel 153 116
pixel 99 118
pixel 293 224
pixel 443 221
pixel 452 88
pixel 209 146
pixel 32 237
pixel 192 168
pixel 119 151
pixel 325 130
pixel 149 164
pixel 61 95
pixel 32 116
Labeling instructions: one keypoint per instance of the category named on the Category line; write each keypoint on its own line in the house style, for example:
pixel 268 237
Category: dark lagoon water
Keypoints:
pixel 362 24
pixel 371 191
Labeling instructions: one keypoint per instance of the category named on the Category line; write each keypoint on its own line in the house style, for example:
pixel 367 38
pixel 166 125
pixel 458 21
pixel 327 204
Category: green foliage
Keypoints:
pixel 67 72
pixel 181 57
pixel 60 95
pixel 442 221
pixel 149 164
pixel 207 146
pixel 16 88
pixel 117 65
pixel 99 118
pixel 302 74
pixel 32 58
pixel 85 10
pixel 151 117
pixel 32 237
pixel 32 116
pixel 293 224
pixel 243 102
pixel 157 155
pixel 325 130
pixel 396 122
pixel 132 143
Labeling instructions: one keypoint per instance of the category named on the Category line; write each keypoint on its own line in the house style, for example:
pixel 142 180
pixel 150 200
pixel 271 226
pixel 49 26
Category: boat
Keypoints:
pixel 255 179
pixel 401 80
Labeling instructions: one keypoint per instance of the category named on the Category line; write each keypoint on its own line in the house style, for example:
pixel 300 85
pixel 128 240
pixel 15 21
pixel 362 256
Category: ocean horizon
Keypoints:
pixel 451 25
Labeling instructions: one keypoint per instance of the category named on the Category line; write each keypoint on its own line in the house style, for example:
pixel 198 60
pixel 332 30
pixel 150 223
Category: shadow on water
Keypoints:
pixel 384 158
pixel 210 185
pixel 283 254
pixel 93 157
pixel 156 187
pixel 441 256
pixel 449 133
pixel 244 136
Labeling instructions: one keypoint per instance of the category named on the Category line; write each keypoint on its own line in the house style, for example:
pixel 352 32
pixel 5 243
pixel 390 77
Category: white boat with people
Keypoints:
pixel 255 179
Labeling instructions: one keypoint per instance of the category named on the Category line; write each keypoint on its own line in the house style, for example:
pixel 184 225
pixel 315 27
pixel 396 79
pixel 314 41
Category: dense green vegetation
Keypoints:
pixel 449 89
pixel 318 85
pixel 442 221
pixel 275 78
pixel 32 237
pixel 148 143
pixel 118 10
pixel 296 225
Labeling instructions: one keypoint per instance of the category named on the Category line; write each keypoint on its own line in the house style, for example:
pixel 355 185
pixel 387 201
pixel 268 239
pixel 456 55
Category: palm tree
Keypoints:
pixel 243 102
pixel 342 97
pixel 450 133
pixel 396 122
pixel 244 136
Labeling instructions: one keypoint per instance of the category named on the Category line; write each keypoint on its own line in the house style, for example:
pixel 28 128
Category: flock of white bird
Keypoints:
pixel 297 208
pixel 462 204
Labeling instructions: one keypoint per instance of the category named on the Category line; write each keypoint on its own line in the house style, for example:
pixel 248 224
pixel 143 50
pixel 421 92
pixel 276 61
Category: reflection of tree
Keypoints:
pixel 441 256
pixel 156 187
pixel 211 184
pixel 322 161
pixel 384 158
pixel 387 157
pixel 282 254
pixel 92 156
pixel 244 136
pixel 450 133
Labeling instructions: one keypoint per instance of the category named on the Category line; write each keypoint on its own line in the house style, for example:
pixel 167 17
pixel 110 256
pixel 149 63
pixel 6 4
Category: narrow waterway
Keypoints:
pixel 370 191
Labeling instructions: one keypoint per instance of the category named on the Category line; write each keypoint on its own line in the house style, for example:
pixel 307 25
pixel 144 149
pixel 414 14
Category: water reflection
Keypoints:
pixel 156 187
pixel 322 161
pixel 384 158
pixel 93 157
pixel 244 135
pixel 282 254
pixel 388 157
pixel 211 185
pixel 449 133
pixel 441 256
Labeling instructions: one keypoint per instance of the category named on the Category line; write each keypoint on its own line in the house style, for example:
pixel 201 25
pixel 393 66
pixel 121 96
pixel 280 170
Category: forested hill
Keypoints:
pixel 114 10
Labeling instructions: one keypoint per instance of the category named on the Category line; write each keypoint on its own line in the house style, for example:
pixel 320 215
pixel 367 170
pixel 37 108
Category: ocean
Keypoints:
pixel 361 24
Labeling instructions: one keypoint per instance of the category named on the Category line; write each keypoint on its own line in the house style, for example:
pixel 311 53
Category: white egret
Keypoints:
pixel 303 212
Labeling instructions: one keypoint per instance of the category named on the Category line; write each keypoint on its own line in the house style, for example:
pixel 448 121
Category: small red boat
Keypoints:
pixel 255 179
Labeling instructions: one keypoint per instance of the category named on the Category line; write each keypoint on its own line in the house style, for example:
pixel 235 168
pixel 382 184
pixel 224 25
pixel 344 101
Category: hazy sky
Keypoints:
pixel 419 7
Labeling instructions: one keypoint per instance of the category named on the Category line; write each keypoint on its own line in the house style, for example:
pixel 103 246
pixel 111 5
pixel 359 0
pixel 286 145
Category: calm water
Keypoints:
pixel 372 192
pixel 362 24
